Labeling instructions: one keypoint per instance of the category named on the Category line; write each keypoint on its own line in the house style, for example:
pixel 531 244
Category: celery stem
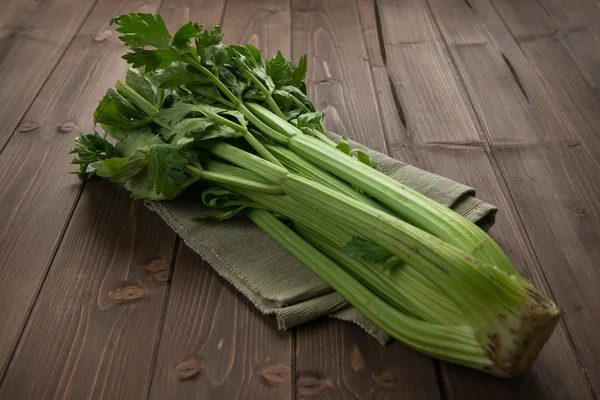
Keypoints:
pixel 235 181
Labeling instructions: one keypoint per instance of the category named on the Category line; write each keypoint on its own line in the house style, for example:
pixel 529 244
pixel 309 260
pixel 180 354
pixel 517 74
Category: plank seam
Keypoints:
pixel 386 143
pixel 380 40
pixel 515 76
pixel 439 376
pixel 163 316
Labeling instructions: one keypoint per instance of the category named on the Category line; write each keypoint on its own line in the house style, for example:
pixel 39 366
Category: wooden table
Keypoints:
pixel 502 95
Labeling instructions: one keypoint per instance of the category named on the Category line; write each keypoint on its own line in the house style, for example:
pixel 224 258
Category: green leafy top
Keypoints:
pixel 180 94
pixel 284 72
pixel 142 29
pixel 90 150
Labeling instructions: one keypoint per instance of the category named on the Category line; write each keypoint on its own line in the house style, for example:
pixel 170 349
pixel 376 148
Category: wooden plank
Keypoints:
pixel 448 143
pixel 530 18
pixel 38 196
pixel 552 99
pixel 31 47
pixel 576 98
pixel 339 80
pixel 526 153
pixel 262 23
pixel 568 14
pixel 100 308
pixel 570 217
pixel 16 14
pixel 391 111
pixel 214 343
pixel 336 359
pixel 585 46
pixel 565 48
pixel 574 25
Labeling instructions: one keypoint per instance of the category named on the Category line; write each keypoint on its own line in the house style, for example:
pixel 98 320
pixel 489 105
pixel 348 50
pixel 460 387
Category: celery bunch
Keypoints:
pixel 194 111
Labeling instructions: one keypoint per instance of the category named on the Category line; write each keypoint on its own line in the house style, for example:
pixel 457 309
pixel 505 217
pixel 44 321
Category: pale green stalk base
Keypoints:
pixel 455 344
pixel 507 315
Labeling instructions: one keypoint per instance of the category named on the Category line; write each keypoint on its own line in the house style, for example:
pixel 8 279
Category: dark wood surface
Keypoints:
pixel 100 300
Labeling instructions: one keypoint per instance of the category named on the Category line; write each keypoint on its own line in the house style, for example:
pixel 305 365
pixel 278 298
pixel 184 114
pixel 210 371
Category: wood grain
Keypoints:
pixel 215 344
pixel 30 46
pixel 584 45
pixel 502 95
pixel 338 360
pixel 448 141
pixel 98 314
pixel 38 195
pixel 15 14
pixel 559 173
pixel 528 19
pixel 339 80
pixel 261 23
pixel 566 83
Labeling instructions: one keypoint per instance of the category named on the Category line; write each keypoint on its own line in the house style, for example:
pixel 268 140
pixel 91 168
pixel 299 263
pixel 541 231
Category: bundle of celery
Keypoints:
pixel 195 112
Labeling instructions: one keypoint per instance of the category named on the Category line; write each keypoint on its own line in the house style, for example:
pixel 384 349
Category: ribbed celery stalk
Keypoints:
pixel 401 286
pixel 510 318
pixel 411 205
pixel 296 164
pixel 452 343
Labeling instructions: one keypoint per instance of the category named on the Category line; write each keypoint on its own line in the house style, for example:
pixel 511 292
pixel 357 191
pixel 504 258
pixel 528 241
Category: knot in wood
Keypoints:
pixel 357 361
pixel 127 293
pixel 102 36
pixel 66 127
pixel 310 386
pixel 158 269
pixel 385 378
pixel 579 211
pixel 188 369
pixel 571 143
pixel 275 374
pixel 28 126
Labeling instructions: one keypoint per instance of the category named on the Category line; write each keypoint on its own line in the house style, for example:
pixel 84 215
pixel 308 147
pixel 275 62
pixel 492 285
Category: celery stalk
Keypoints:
pixel 455 344
pixel 412 206
pixel 296 164
pixel 507 314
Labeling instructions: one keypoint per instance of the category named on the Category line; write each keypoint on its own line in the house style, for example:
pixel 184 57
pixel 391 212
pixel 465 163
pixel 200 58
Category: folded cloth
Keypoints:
pixel 274 280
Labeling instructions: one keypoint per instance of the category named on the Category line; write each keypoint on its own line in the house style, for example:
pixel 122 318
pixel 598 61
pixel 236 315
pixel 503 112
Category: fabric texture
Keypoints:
pixel 274 280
